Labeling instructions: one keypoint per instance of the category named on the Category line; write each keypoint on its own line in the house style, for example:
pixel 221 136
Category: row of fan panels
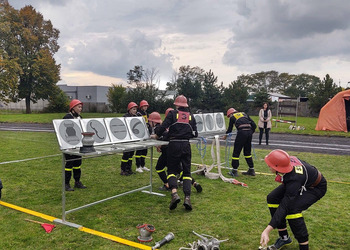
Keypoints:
pixel 121 129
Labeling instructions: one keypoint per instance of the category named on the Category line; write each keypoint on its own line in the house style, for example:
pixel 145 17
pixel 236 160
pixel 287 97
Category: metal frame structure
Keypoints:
pixel 112 148
pixel 104 151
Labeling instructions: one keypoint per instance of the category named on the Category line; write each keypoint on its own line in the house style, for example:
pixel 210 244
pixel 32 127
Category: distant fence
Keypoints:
pixel 21 105
pixel 41 104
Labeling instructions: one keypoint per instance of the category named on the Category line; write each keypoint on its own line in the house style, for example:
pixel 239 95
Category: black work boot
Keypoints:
pixel 68 188
pixel 281 243
pixel 250 172
pixel 175 198
pixel 187 203
pixel 233 172
pixel 78 184
pixel 198 187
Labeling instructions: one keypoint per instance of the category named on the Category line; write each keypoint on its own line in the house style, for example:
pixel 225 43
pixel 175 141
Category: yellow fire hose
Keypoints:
pixel 83 229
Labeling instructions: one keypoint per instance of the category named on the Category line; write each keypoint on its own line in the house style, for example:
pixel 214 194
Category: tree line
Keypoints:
pixel 29 71
pixel 205 94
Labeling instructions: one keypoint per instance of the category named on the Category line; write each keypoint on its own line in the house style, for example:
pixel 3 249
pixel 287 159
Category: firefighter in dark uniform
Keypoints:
pixel 140 155
pixel 162 160
pixel 182 127
pixel 302 185
pixel 245 128
pixel 73 162
pixel 126 163
pixel 155 121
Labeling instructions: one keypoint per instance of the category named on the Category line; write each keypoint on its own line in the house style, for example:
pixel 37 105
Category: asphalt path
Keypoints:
pixel 335 145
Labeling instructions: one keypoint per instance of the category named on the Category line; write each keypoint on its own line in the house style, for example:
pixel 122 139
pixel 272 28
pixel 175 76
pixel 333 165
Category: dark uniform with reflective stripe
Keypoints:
pixel 182 127
pixel 140 155
pixel 162 160
pixel 245 128
pixel 73 162
pixel 300 188
pixel 127 157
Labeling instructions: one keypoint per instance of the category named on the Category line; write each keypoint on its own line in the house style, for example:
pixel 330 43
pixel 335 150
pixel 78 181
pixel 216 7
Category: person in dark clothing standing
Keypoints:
pixel 73 162
pixel 182 127
pixel 302 185
pixel 140 155
pixel 155 121
pixel 264 122
pixel 126 162
pixel 245 128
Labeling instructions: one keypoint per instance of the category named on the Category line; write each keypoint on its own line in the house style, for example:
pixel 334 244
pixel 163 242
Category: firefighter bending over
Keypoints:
pixel 245 128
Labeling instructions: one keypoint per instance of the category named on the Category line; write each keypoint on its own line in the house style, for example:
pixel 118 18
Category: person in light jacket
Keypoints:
pixel 264 123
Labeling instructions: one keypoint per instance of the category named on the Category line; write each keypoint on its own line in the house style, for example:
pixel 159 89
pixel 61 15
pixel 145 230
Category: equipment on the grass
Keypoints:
pixel 204 243
pixel 272 247
pixel 216 157
pixel 165 240
pixel 48 227
pixel 146 231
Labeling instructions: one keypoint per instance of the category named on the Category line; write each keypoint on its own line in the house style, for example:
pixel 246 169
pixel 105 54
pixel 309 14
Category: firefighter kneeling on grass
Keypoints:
pixel 302 185
pixel 182 127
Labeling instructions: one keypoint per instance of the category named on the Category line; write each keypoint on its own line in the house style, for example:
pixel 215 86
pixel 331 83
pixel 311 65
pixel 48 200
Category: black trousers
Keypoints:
pixel 73 163
pixel 140 157
pixel 162 164
pixel 301 203
pixel 179 159
pixel 127 161
pixel 243 141
pixel 261 132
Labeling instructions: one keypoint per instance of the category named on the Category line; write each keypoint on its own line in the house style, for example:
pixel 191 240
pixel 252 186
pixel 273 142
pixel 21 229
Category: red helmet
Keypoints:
pixel 230 111
pixel 155 117
pixel 143 103
pixel 181 101
pixel 167 111
pixel 131 105
pixel 279 160
pixel 74 103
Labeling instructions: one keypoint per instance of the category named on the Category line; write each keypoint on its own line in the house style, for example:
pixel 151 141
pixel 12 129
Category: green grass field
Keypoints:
pixel 223 210
pixel 309 123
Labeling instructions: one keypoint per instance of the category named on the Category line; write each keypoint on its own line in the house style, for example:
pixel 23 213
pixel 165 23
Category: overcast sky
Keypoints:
pixel 101 40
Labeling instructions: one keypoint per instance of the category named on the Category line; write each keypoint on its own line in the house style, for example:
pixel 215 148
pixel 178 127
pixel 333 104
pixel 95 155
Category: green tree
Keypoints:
pixel 58 101
pixel 324 91
pixel 116 98
pixel 9 71
pixel 260 97
pixel 31 42
pixel 145 81
pixel 135 75
pixel 301 85
pixel 268 80
pixel 236 95
pixel 9 51
pixel 188 82
pixel 212 94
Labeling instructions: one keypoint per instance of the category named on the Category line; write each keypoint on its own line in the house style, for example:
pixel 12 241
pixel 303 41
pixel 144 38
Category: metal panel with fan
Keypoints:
pixel 200 123
pixel 97 126
pixel 68 132
pixel 117 129
pixel 219 119
pixel 137 128
pixel 209 123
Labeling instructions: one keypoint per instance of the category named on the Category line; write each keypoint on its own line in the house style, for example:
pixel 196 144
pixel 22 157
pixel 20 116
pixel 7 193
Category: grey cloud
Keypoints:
pixel 114 56
pixel 289 31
